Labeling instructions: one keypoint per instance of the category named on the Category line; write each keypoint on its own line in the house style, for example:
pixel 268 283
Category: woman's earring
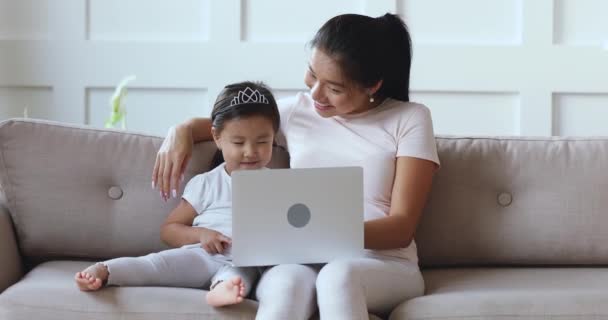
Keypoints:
pixel 371 98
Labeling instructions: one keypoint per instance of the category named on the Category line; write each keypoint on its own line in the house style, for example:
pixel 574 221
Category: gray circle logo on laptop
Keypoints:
pixel 298 215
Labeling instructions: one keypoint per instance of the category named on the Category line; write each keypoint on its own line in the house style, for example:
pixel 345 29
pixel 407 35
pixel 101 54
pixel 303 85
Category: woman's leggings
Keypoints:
pixel 343 289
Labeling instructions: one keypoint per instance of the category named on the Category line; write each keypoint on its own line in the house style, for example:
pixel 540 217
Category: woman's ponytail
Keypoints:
pixel 397 46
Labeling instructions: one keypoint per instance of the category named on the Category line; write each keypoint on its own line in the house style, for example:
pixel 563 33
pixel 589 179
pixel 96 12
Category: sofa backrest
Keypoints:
pixel 75 191
pixel 517 201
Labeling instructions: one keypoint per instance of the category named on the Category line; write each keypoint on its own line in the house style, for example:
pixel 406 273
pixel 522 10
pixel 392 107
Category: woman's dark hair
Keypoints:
pixel 369 50
pixel 243 100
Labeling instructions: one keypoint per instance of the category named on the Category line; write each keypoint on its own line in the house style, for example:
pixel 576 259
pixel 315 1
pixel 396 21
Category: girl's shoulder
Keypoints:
pixel 197 180
pixel 213 174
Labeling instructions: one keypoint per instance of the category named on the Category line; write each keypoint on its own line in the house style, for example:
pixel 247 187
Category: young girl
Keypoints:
pixel 245 119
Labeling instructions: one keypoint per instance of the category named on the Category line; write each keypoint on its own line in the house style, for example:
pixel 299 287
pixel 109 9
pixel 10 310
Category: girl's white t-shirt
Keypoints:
pixel 210 194
pixel 372 140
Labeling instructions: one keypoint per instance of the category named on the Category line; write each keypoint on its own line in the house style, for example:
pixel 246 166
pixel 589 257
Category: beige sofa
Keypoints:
pixel 515 228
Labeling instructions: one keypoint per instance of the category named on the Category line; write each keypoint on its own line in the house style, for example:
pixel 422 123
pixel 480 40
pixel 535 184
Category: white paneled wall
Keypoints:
pixel 291 21
pixel 26 19
pixel 581 22
pixel 497 67
pixel 476 113
pixel 31 100
pixel 464 22
pixel 149 20
pixel 580 114
pixel 170 105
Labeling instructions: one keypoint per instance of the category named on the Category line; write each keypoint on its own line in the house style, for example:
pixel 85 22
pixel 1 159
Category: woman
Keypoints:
pixel 357 113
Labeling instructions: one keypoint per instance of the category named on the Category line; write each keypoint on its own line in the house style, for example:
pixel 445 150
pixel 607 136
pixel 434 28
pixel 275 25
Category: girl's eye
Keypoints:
pixel 262 142
pixel 238 143
pixel 335 90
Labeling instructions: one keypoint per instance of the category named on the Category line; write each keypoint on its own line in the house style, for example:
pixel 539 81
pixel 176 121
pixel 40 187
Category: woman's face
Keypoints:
pixel 332 93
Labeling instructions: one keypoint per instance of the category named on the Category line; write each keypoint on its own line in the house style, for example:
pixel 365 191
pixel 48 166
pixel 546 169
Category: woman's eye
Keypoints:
pixel 335 90
pixel 238 143
pixel 262 142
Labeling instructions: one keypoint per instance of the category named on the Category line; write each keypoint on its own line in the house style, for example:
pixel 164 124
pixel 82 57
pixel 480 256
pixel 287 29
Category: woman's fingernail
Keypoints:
pixel 153 185
pixel 174 192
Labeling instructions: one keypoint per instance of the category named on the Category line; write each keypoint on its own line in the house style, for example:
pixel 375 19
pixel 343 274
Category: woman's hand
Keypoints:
pixel 171 160
pixel 214 242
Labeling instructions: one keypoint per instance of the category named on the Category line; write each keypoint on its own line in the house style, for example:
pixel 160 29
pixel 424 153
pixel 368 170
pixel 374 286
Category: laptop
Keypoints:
pixel 304 215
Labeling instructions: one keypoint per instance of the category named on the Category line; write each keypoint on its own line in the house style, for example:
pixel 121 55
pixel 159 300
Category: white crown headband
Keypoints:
pixel 248 95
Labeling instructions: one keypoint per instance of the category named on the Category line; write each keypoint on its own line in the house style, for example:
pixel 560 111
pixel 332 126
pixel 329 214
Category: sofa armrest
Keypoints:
pixel 12 266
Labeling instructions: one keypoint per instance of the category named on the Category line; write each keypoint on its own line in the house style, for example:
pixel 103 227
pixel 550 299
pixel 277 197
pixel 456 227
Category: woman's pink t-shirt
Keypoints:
pixel 372 140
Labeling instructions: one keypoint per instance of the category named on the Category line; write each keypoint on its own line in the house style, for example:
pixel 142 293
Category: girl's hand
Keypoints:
pixel 214 242
pixel 171 161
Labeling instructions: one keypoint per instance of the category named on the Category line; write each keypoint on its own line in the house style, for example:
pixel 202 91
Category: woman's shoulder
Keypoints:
pixel 406 107
pixel 402 113
pixel 289 105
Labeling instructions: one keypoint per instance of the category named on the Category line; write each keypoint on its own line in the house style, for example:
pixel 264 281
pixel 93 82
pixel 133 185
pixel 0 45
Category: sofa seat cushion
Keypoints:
pixel 510 293
pixel 49 291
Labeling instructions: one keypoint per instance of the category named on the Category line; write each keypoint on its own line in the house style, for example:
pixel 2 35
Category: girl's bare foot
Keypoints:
pixel 92 278
pixel 227 292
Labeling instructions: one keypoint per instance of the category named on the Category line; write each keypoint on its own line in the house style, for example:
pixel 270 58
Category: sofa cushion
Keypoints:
pixel 75 191
pixel 510 293
pixel 517 201
pixel 50 290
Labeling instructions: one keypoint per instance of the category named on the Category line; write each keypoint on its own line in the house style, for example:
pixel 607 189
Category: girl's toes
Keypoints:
pixel 96 284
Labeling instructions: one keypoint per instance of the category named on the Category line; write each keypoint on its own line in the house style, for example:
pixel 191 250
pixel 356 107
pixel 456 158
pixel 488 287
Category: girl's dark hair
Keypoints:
pixel 243 100
pixel 369 50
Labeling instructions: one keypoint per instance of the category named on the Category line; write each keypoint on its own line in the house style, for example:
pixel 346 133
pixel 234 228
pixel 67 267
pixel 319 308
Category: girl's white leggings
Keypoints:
pixel 189 266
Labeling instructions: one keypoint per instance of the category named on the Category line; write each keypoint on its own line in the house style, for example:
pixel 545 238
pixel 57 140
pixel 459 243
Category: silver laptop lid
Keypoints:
pixel 296 215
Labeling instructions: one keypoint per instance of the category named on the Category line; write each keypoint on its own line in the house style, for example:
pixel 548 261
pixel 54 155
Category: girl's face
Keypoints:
pixel 332 93
pixel 246 143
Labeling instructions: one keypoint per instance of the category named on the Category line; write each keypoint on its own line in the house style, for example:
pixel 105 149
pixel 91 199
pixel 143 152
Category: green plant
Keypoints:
pixel 118 111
